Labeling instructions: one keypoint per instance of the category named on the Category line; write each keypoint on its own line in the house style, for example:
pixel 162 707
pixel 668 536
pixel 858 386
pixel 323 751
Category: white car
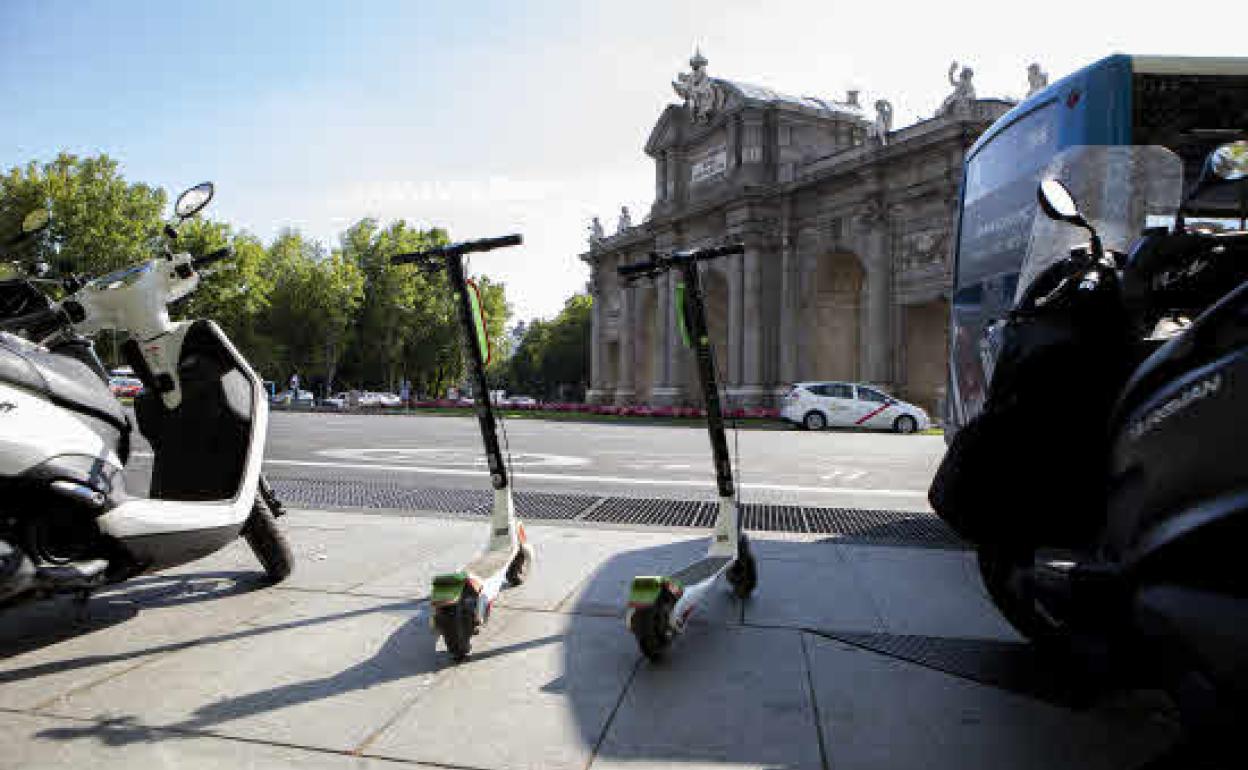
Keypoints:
pixel 336 401
pixel 818 405
pixel 372 399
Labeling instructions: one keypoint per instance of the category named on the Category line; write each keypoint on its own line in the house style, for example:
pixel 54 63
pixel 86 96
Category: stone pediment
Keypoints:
pixel 681 125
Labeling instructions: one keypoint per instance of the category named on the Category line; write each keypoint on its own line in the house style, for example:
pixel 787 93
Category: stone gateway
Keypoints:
pixel 847 226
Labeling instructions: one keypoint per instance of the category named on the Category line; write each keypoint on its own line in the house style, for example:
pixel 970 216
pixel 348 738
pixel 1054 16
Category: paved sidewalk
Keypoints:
pixel 847 657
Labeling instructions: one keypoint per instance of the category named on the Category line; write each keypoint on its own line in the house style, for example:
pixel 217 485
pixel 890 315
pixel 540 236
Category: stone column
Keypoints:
pixel 735 266
pixel 595 340
pixel 790 303
pixel 752 321
pixel 668 389
pixel 876 358
pixel 624 391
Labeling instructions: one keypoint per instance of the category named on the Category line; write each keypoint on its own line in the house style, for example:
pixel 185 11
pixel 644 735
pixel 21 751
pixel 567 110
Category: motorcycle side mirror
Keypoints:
pixel 1058 204
pixel 192 201
pixel 1228 163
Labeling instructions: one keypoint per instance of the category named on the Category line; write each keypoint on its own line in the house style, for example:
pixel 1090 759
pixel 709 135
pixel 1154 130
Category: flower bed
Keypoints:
pixel 637 410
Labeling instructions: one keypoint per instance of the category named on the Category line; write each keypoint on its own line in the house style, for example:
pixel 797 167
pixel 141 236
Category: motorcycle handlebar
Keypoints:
pixel 660 262
pixel 212 256
pixel 457 249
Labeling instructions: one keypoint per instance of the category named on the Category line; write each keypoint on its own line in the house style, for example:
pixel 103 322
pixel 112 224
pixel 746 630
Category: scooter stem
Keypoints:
pixel 484 409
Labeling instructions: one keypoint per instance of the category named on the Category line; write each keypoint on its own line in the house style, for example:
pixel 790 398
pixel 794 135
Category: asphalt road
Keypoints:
pixel 832 468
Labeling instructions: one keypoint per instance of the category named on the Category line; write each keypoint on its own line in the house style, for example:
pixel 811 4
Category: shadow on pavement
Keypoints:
pixel 46 622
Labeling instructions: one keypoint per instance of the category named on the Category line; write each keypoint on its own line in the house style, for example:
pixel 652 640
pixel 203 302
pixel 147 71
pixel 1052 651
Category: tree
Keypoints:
pixel 234 292
pixel 397 300
pixel 552 360
pixel 314 299
pixel 100 222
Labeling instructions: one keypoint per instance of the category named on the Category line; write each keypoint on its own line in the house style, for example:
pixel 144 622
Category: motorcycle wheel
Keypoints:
pixel 1003 574
pixel 268 543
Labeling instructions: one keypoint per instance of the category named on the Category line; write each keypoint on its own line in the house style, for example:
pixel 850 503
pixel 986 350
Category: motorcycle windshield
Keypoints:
pixel 1119 190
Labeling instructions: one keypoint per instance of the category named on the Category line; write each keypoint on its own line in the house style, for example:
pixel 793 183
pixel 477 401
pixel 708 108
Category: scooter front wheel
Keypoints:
pixel 268 543
pixel 652 626
pixel 521 565
pixel 1005 578
pixel 456 625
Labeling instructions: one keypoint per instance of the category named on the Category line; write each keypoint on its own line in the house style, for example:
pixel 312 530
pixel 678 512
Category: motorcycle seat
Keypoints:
pixel 65 381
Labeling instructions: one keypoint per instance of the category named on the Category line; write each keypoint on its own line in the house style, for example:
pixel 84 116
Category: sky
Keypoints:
pixel 489 117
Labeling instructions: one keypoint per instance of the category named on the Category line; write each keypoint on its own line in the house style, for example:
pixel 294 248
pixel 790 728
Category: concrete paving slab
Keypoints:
pixel 429 547
pixel 537 694
pixel 326 673
pixel 737 696
pixel 566 558
pixel 50 648
pixel 337 551
pixel 927 592
pixel 881 713
pixel 605 590
pixel 825 593
pixel 47 743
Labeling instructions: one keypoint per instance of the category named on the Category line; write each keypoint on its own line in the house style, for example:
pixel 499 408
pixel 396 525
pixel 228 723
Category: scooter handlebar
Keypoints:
pixel 660 262
pixel 212 256
pixel 457 249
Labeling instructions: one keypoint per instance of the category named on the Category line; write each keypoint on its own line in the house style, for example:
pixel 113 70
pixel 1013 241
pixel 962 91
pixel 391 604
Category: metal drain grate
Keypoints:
pixel 855 524
pixel 353 494
pixel 546 505
pixel 849 525
pixel 659 513
pixel 767 517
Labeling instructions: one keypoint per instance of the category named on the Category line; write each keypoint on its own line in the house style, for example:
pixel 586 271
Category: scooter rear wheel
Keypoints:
pixel 652 627
pixel 456 625
pixel 743 574
pixel 268 543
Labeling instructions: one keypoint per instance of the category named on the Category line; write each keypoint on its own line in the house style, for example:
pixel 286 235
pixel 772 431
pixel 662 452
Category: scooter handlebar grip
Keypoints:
pixel 489 244
pixel 467 247
pixel 637 269
pixel 213 256
pixel 719 251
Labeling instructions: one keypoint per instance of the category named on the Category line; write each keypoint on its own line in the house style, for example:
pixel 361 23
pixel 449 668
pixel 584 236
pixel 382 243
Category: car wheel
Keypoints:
pixel 905 424
pixel 814 421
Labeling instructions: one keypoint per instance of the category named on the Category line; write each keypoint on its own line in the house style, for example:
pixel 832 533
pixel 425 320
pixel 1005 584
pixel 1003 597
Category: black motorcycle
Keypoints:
pixel 1102 483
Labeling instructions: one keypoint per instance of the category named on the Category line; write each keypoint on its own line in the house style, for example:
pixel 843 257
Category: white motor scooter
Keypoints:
pixel 67 523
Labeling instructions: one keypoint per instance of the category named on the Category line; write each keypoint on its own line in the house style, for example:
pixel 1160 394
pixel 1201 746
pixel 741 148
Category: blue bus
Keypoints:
pixel 1188 105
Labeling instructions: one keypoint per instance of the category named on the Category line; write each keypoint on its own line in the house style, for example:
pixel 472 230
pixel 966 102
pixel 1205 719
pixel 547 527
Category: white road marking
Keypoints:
pixel 466 457
pixel 568 477
pixel 572 478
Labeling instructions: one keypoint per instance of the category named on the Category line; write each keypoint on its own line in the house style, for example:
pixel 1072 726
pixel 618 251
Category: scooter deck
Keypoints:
pixel 701 570
pixel 489 563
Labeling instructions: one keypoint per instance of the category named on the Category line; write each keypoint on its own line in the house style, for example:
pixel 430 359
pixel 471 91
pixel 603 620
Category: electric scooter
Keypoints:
pixel 462 600
pixel 68 524
pixel 660 606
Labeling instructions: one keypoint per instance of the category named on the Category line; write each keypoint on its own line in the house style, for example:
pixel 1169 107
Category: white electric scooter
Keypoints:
pixel 67 524
pixel 659 606
pixel 462 600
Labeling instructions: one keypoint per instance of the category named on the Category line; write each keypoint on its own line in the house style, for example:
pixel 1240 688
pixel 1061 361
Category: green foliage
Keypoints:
pixel 342 318
pixel 552 359
pixel 99 223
